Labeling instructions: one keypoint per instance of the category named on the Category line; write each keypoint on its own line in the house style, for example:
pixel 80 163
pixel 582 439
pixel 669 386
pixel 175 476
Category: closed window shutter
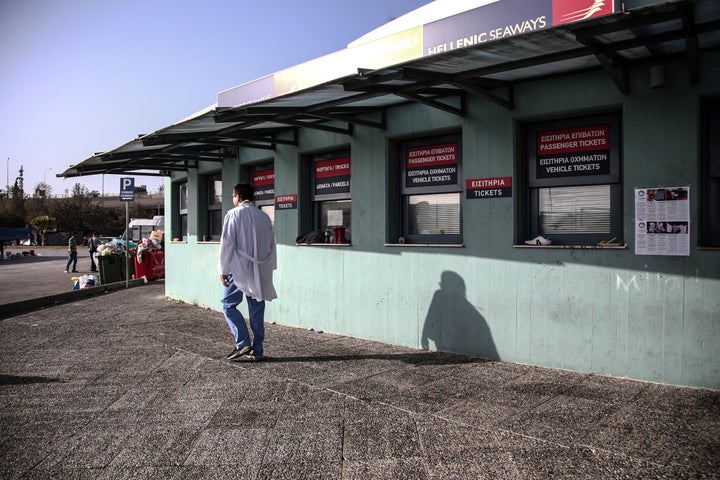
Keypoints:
pixel 435 214
pixel 574 210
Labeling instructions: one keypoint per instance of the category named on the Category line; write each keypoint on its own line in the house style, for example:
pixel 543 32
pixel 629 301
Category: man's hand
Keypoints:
pixel 224 280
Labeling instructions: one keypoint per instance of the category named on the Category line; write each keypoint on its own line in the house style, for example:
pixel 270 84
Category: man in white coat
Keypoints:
pixel 246 264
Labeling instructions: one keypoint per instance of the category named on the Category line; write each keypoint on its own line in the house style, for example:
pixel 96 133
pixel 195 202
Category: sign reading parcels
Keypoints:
pixel 488 187
pixel 286 202
pixel 332 176
pixel 263 183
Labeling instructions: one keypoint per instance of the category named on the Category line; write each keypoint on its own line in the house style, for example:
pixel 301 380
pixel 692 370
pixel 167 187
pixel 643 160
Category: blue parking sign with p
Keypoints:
pixel 127 189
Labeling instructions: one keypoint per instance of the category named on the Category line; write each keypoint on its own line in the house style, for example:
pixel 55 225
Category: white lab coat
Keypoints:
pixel 248 252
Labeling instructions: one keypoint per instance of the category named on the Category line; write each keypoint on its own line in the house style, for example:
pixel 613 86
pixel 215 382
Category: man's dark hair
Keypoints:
pixel 244 191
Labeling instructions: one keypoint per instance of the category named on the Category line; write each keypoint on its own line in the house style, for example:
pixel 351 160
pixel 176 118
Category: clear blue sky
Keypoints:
pixel 85 76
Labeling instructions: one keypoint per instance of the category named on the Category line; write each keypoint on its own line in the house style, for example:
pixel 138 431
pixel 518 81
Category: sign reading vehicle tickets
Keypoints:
pixel 431 165
pixel 573 152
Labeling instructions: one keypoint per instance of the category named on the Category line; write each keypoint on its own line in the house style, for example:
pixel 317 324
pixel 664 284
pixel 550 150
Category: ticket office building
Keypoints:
pixel 439 194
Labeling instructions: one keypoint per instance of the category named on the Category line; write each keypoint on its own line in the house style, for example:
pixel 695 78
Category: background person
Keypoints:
pixel 72 253
pixel 246 264
pixel 93 244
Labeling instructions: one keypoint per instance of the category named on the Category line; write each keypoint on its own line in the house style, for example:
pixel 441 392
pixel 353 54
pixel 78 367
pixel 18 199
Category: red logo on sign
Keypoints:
pixel 566 11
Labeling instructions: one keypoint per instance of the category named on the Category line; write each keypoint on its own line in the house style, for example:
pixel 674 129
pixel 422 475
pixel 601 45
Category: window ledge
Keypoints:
pixel 434 245
pixel 208 241
pixel 324 244
pixel 622 246
pixel 709 249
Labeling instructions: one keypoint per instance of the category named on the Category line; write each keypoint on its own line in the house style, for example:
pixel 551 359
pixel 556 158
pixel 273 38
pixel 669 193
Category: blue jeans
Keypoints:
pixel 72 259
pixel 231 298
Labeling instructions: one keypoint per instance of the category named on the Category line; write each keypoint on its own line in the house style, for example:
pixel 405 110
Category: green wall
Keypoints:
pixel 607 311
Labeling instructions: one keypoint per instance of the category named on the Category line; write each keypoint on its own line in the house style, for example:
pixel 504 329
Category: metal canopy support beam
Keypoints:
pixel 478 87
pixel 611 63
pixel 381 125
pixel 509 104
pixel 317 126
pixel 431 103
pixel 691 45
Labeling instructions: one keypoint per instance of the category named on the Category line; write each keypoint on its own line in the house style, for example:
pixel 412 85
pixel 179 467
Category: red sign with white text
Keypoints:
pixel 431 165
pixel 571 152
pixel 566 11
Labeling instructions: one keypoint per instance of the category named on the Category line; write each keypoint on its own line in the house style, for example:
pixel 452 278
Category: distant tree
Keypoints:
pixel 10 219
pixel 43 223
pixel 72 213
pixel 42 190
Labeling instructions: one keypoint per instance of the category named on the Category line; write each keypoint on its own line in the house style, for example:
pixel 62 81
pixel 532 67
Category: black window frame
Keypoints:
pixel 613 178
pixel 182 212
pixel 213 206
pixel 407 192
pixel 318 200
pixel 266 205
pixel 709 191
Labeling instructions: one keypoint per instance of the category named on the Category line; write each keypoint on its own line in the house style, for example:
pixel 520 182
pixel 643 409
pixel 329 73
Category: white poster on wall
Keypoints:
pixel 662 221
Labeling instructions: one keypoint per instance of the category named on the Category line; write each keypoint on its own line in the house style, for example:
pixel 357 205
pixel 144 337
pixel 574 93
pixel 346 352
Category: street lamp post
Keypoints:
pixel 45 175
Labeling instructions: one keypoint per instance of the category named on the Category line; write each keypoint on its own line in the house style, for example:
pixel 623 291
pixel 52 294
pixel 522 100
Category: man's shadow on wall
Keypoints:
pixel 454 325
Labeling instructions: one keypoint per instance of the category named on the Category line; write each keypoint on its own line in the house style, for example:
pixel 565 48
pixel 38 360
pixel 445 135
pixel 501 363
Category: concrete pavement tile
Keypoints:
pixel 232 447
pixel 685 405
pixel 304 443
pixel 305 471
pixel 382 388
pixel 243 414
pixel 230 472
pixel 155 446
pixel 93 447
pixel 659 438
pixel 20 454
pixel 542 461
pixel 79 473
pixel 499 469
pixel 564 420
pixel 49 425
pixel 374 431
pixel 141 397
pixel 386 469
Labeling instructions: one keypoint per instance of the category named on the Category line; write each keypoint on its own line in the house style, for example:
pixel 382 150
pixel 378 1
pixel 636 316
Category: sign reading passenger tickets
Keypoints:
pixel 332 176
pixel 573 152
pixel 488 187
pixel 127 189
pixel 286 202
pixel 431 165
pixel 263 184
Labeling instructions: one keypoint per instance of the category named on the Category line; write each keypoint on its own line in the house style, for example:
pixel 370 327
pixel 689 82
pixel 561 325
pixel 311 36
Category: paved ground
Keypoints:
pixel 25 277
pixel 130 384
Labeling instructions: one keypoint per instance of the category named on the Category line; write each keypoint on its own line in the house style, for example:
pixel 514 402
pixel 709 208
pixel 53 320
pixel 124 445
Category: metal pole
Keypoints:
pixel 127 248
pixel 7 192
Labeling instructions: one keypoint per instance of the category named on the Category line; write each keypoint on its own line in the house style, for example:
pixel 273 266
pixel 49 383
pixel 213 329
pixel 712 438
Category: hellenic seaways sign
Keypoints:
pixel 487 23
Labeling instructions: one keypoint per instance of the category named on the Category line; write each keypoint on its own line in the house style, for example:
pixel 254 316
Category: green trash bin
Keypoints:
pixel 112 268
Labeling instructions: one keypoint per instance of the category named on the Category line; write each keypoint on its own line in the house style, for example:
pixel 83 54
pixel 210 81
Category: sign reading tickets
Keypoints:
pixel 332 176
pixel 263 184
pixel 488 187
pixel 573 152
pixel 431 165
pixel 286 202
